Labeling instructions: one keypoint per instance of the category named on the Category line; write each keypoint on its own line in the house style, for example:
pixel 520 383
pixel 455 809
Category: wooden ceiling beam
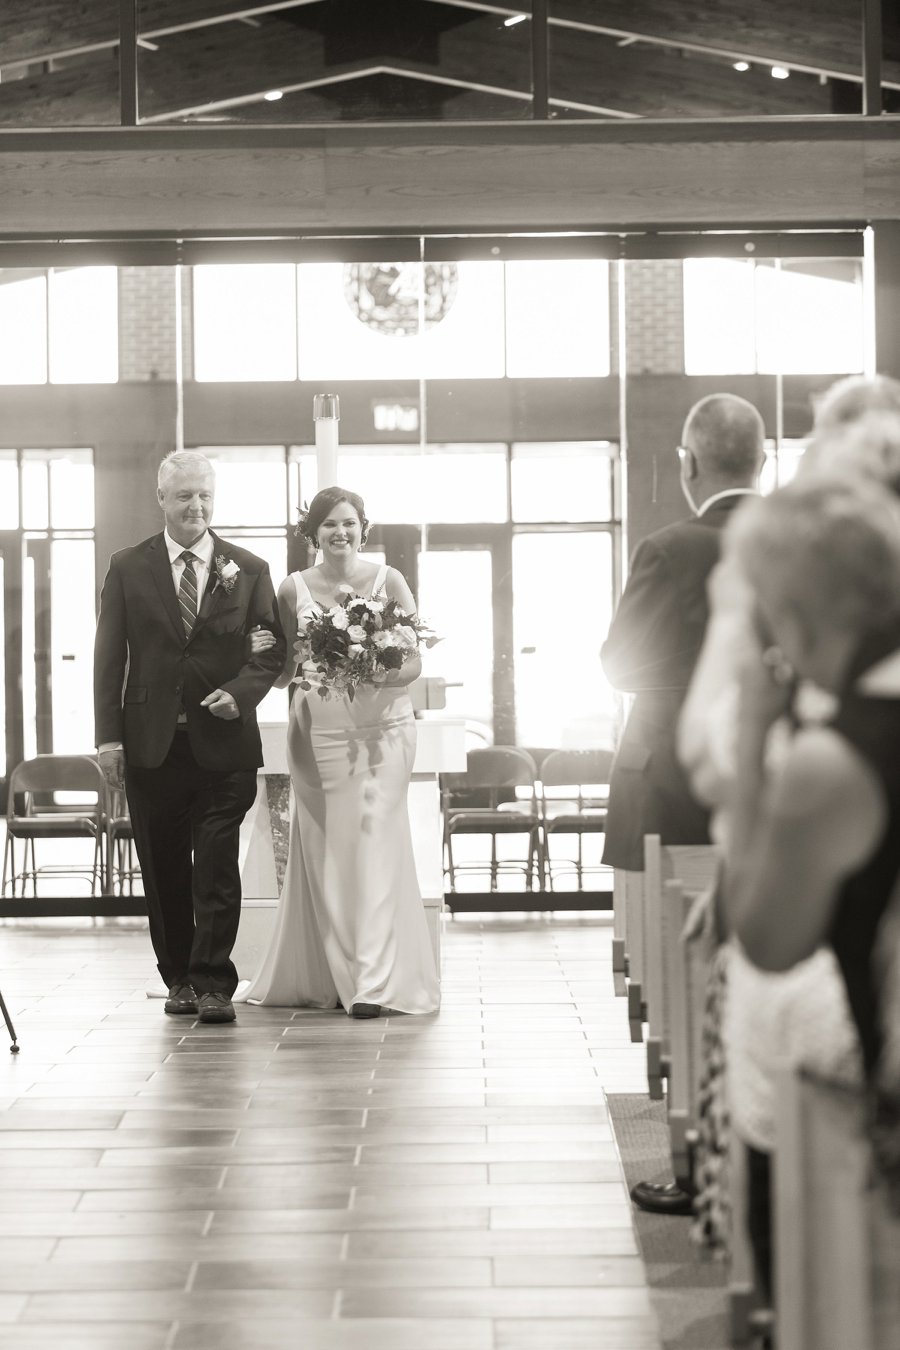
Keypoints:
pixel 456 177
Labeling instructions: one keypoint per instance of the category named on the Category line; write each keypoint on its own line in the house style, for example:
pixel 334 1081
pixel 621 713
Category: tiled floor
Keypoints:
pixel 300 1179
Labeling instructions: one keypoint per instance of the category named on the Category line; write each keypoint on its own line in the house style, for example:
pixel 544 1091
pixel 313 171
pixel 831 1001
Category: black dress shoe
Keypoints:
pixel 662 1198
pixel 215 1007
pixel 182 998
pixel 365 1010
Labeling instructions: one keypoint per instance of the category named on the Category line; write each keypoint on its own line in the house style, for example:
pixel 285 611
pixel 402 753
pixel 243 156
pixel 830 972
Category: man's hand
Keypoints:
pixel 221 704
pixel 112 762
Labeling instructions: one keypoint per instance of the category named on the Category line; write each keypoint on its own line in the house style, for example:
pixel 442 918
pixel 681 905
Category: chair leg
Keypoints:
pixel 129 853
pixel 6 852
pixel 450 867
pixel 97 868
pixel 17 877
pixel 540 844
pixel 108 854
pixel 14 1047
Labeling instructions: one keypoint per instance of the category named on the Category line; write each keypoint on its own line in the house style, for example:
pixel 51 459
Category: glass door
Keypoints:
pixel 460 575
pixel 563 594
pixel 11 711
pixel 466 596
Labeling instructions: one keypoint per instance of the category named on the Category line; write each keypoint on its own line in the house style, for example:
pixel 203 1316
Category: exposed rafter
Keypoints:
pixel 201 59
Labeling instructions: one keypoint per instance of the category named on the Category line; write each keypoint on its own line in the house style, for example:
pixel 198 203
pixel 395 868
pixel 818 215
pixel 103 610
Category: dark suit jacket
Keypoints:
pixel 651 649
pixel 145 670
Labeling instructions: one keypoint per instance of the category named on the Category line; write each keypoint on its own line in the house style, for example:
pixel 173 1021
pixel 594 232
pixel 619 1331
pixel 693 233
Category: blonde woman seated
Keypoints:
pixel 814 850
pixel 800 1017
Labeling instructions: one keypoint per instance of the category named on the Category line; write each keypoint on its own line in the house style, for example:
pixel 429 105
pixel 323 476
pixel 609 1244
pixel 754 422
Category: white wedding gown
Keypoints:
pixel 351 924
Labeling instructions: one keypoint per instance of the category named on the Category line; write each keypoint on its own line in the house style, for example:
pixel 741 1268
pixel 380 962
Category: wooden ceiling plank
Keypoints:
pixel 223 70
pixel 815 38
pixel 814 35
pixel 33 31
pixel 455 178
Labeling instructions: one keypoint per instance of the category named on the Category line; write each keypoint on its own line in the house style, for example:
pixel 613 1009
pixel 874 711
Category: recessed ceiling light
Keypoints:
pixel 514 19
pixel 779 73
pixel 273 95
pixel 742 65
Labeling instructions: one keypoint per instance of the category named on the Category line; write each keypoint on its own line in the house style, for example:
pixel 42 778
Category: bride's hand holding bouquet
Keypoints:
pixel 358 641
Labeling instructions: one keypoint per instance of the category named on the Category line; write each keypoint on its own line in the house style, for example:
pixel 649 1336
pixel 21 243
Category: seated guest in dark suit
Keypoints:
pixel 175 691
pixel 653 643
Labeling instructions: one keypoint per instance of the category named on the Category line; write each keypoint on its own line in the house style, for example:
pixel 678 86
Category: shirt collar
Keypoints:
pixel 719 496
pixel 202 549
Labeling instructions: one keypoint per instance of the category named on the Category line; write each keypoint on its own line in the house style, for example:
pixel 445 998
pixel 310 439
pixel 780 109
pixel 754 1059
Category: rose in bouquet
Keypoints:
pixel 358 641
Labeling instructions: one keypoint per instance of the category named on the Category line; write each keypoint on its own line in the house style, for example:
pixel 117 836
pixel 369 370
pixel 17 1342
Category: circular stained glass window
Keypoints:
pixel 385 296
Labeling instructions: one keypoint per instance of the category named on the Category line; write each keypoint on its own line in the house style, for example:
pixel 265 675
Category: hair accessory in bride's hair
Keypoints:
pixel 302 517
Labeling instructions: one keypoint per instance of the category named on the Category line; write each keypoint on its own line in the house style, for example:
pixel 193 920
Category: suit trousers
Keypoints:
pixel 186 822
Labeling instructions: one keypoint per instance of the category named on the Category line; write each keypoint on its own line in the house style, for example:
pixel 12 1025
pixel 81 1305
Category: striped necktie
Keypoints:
pixel 187 593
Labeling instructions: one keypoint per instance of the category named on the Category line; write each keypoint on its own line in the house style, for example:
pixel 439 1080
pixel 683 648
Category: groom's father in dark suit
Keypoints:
pixel 175 694
pixel 653 644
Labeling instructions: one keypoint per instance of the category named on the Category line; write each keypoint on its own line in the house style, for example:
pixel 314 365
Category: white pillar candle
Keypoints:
pixel 326 415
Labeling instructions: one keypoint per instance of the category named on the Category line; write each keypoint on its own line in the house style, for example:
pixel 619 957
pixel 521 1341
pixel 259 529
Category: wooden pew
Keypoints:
pixel 687 966
pixel 628 900
pixel 837 1247
pixel 696 866
pixel 746 1300
pixel 619 939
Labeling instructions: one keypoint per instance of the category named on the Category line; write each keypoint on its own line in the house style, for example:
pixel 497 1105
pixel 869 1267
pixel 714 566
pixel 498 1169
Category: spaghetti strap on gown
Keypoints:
pixel 350 925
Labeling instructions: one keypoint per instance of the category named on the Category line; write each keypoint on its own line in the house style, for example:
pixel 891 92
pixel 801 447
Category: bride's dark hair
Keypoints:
pixel 320 508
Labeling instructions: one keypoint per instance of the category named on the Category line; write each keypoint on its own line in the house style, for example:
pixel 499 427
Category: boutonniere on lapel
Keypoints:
pixel 227 572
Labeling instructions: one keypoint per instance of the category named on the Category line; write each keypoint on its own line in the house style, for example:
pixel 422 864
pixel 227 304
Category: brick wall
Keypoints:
pixel 654 314
pixel 147 318
pixel 146 324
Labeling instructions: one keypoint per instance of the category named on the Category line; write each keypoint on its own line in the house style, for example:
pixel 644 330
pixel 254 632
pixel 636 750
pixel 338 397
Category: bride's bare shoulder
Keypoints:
pixel 288 588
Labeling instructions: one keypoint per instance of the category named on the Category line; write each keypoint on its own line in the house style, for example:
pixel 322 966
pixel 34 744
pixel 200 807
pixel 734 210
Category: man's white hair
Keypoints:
pixel 177 461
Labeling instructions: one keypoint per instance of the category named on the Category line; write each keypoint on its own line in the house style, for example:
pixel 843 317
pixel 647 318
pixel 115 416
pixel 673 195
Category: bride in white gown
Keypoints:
pixel 350 927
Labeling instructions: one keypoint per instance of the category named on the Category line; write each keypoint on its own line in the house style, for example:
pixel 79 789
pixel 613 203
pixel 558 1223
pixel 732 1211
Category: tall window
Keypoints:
pixel 48 505
pixel 402 321
pixel 59 326
pixel 791 317
pixel 245 325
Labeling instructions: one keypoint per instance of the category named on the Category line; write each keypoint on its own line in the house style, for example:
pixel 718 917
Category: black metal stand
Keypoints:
pixel 14 1047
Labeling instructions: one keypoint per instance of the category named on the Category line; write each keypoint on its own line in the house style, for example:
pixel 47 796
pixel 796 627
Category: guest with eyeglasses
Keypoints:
pixel 653 643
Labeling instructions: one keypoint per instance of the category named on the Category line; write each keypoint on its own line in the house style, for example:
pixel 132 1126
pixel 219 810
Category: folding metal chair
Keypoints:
pixel 33 813
pixel 587 773
pixel 122 867
pixel 493 771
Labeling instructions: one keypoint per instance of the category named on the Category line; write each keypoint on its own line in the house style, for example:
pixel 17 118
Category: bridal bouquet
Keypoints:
pixel 359 641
